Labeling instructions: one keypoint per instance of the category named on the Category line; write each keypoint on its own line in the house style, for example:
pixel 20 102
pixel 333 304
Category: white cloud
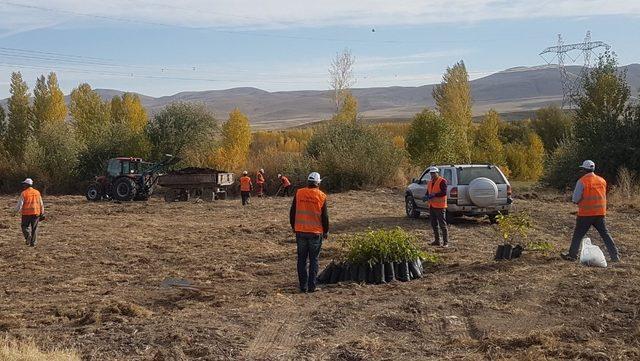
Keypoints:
pixel 251 14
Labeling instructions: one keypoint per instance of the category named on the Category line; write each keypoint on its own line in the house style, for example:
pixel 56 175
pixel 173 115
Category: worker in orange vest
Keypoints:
pixel 310 221
pixel 437 198
pixel 260 181
pixel 590 195
pixel 31 207
pixel 285 184
pixel 245 188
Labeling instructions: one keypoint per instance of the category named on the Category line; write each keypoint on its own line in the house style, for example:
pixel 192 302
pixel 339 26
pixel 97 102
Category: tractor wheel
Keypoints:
pixel 195 193
pixel 94 192
pixel 208 194
pixel 124 189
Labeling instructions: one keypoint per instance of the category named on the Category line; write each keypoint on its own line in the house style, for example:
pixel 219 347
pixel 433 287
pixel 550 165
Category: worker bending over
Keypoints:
pixel 437 198
pixel 31 207
pixel 310 221
pixel 245 188
pixel 590 195
pixel 285 184
pixel 261 182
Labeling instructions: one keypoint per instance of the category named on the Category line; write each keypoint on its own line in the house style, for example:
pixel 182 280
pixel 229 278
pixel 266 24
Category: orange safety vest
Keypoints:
pixel 31 202
pixel 594 196
pixel 309 203
pixel 259 178
pixel 285 181
pixel 245 184
pixel 434 187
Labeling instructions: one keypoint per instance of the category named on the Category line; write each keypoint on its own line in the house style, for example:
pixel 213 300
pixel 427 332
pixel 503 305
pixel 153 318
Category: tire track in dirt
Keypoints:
pixel 279 335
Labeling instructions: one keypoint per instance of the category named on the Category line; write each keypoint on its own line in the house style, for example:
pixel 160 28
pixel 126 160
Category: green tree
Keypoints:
pixel 180 127
pixel 54 156
pixel 19 118
pixel 553 125
pixel 48 102
pixel 606 126
pixel 429 140
pixel 348 109
pixel 487 147
pixel 236 140
pixel 3 125
pixel 353 156
pixel 453 101
pixel 90 114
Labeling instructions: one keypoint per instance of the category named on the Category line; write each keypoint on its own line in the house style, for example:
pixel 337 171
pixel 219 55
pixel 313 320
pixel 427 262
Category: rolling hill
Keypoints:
pixel 515 90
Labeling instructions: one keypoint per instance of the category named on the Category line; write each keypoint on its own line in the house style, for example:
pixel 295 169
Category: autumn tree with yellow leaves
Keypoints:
pixel 235 143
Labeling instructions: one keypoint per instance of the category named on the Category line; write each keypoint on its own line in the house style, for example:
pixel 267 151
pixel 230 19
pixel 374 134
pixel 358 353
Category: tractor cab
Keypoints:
pixel 125 166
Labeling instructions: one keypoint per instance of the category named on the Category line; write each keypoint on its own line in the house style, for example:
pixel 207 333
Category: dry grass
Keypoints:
pixel 626 192
pixel 28 351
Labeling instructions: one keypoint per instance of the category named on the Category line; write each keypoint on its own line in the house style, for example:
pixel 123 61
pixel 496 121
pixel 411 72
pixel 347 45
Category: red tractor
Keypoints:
pixel 128 179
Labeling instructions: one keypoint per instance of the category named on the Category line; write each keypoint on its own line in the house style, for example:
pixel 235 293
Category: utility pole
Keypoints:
pixel 561 51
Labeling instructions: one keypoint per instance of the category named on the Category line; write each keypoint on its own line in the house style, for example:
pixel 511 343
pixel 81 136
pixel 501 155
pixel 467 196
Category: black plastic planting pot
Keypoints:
pixel 389 273
pixel 378 273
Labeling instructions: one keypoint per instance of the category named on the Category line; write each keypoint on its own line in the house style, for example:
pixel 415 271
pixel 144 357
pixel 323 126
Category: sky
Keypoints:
pixel 164 47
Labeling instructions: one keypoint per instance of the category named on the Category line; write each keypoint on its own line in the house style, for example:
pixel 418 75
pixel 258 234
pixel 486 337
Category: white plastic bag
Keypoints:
pixel 591 255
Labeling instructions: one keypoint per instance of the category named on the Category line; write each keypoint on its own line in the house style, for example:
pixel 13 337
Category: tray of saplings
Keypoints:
pixel 376 257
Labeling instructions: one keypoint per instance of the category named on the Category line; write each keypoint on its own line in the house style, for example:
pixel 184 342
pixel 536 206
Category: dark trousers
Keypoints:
pixel 245 197
pixel 582 227
pixel 286 191
pixel 308 248
pixel 29 226
pixel 437 216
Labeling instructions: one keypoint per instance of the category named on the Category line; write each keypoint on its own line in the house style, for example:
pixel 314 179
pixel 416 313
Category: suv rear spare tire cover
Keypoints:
pixel 483 192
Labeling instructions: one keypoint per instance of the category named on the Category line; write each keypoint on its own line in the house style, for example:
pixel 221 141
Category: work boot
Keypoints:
pixel 445 245
pixel 435 243
pixel 565 256
pixel 615 260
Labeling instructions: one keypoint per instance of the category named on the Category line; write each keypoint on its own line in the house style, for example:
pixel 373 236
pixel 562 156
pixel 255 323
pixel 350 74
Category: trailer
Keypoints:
pixel 191 183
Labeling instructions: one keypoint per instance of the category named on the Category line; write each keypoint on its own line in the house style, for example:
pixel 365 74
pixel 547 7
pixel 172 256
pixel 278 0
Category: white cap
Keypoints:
pixel 588 165
pixel 434 170
pixel 28 181
pixel 261 170
pixel 314 177
pixel 279 175
pixel 245 173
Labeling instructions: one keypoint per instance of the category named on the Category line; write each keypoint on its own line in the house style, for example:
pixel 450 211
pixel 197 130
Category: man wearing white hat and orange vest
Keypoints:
pixel 436 196
pixel 31 207
pixel 310 222
pixel 590 195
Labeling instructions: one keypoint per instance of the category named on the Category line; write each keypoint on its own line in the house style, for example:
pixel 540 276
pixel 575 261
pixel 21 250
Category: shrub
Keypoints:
pixel 514 226
pixel 376 246
pixel 352 156
pixel 28 351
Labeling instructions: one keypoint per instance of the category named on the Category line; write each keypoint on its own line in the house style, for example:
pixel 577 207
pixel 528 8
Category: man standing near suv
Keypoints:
pixel 437 198
pixel 591 197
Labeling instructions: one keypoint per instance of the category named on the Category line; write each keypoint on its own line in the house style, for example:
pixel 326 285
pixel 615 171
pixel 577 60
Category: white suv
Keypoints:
pixel 473 190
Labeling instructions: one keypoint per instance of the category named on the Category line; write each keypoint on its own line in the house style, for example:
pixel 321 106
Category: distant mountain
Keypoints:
pixel 515 90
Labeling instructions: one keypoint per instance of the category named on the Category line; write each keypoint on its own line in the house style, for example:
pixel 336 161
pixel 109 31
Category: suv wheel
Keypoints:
pixel 411 208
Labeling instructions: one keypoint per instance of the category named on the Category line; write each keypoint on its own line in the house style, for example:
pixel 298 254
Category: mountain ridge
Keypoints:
pixel 517 89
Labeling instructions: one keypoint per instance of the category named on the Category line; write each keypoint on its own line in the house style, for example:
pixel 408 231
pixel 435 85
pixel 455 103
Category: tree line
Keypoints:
pixel 64 147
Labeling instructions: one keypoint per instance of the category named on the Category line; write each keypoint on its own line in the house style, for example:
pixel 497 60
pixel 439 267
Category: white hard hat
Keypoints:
pixel 261 170
pixel 28 181
pixel 434 170
pixel 314 177
pixel 279 175
pixel 588 165
pixel 245 173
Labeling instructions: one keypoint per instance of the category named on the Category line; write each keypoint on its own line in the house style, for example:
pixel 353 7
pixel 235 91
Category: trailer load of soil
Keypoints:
pixel 195 170
pixel 382 272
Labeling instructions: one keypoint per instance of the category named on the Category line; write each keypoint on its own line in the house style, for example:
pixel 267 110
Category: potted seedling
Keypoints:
pixel 512 229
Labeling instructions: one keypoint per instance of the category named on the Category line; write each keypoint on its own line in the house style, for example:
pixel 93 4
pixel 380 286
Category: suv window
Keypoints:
pixel 448 175
pixel 466 175
pixel 426 177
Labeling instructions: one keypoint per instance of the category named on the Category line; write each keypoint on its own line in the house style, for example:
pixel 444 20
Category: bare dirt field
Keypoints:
pixel 94 284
